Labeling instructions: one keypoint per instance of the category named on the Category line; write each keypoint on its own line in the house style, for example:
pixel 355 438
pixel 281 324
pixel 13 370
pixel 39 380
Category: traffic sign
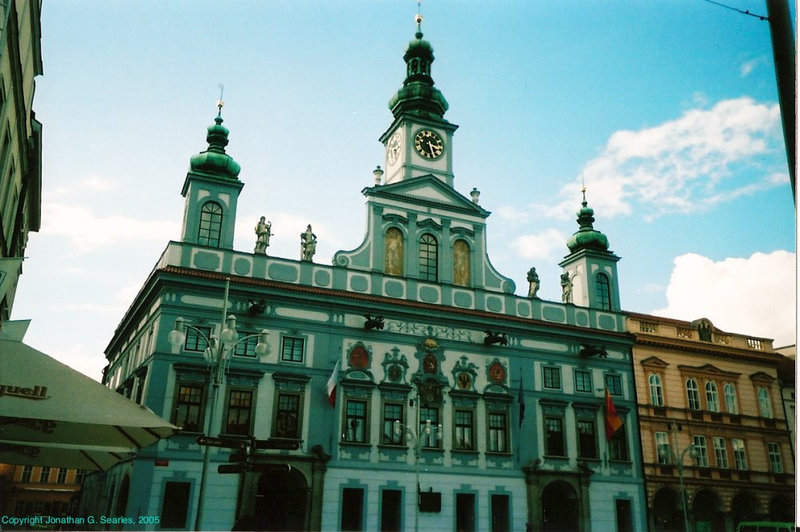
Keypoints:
pixel 286 445
pixel 221 442
pixel 240 467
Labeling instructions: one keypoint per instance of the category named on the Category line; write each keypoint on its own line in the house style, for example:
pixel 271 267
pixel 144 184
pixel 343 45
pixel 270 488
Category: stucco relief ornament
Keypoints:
pixel 263 232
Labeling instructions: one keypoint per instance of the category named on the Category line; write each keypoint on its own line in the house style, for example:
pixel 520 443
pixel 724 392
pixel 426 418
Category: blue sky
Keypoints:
pixel 667 109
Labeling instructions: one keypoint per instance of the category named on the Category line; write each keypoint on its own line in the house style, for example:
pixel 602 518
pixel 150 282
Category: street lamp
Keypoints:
pixel 217 353
pixel 678 461
pixel 427 430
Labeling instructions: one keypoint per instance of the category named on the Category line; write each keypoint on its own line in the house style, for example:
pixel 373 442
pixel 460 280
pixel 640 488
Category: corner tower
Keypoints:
pixel 590 270
pixel 419 141
pixel 211 190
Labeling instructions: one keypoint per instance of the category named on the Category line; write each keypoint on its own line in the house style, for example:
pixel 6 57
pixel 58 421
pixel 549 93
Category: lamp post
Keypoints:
pixel 216 353
pixel 678 461
pixel 410 434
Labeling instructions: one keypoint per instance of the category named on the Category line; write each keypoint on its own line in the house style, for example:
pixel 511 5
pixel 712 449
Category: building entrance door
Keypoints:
pixel 282 501
pixel 560 511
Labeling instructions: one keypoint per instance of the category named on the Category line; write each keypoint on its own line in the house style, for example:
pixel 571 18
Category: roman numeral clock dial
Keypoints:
pixel 429 144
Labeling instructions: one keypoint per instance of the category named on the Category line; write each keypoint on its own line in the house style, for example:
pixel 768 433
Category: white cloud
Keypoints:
pixel 683 165
pixel 753 296
pixel 87 231
pixel 747 68
pixel 539 246
pixel 95 182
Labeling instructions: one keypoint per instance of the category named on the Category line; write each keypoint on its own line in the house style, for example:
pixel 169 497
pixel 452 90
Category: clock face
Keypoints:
pixel 497 373
pixel 429 144
pixel 393 148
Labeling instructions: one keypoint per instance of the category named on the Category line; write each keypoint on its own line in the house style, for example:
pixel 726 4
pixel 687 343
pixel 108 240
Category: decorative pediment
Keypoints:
pixel 426 190
pixel 654 362
pixel 708 370
pixel 762 377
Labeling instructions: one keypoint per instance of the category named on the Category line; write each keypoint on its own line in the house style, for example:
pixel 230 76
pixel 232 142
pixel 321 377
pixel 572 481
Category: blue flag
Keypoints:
pixel 521 401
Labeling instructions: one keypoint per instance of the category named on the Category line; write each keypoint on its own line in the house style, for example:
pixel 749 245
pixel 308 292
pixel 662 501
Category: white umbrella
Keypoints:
pixel 51 414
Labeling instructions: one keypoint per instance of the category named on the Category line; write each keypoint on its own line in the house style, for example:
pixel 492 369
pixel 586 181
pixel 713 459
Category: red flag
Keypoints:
pixel 331 386
pixel 613 422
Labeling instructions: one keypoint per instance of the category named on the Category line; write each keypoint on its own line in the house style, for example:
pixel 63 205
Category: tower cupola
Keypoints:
pixel 418 95
pixel 587 237
pixel 214 161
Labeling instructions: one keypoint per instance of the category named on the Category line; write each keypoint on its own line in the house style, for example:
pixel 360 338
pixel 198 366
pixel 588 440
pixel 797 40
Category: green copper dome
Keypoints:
pixel 587 237
pixel 214 160
pixel 418 95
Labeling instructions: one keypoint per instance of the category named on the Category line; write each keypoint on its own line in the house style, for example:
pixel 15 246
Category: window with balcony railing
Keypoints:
pixel 754 343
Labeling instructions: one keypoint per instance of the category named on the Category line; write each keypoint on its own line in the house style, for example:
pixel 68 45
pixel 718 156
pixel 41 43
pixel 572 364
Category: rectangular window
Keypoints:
pixel 587 439
pixel 246 347
pixel 583 381
pixel 391 510
pixel 175 505
pixel 552 377
pixel 27 473
pixel 663 452
pixel 392 412
pixel 352 509
pixel 464 431
pixel 240 407
pixel 702 451
pixel 292 349
pixel 62 475
pixel 355 421
pixel 501 514
pixel 465 512
pixel 44 476
pixel 775 461
pixel 721 452
pixel 498 422
pixel 739 454
pixel 197 338
pixel 614 384
pixel 429 438
pixel 554 436
pixel 188 407
pixel 287 416
pixel 618 445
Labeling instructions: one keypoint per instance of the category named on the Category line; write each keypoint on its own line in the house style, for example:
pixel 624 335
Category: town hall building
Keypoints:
pixel 402 386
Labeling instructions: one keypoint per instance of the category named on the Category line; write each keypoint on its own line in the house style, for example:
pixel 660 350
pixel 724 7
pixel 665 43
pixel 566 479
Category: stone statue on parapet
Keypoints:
pixel 263 232
pixel 533 283
pixel 308 244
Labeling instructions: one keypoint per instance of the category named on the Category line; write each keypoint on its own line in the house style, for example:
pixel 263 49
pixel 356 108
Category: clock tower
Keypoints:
pixel 419 141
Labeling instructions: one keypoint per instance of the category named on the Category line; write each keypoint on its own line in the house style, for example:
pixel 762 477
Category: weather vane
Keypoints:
pixel 220 103
pixel 418 17
pixel 583 188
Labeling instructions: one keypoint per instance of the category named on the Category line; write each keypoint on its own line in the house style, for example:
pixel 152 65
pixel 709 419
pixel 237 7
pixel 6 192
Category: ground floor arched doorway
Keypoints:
pixel 667 510
pixel 781 508
pixel 744 507
pixel 560 507
pixel 707 511
pixel 281 500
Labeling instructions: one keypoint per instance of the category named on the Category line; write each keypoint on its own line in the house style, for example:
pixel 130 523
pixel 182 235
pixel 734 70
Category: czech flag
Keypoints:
pixel 613 422
pixel 332 382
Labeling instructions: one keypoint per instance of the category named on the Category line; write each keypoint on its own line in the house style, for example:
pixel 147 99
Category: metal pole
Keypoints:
pixel 216 377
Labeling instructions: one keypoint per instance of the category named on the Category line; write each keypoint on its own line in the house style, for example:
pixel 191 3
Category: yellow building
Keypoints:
pixel 43 491
pixel 20 139
pixel 712 420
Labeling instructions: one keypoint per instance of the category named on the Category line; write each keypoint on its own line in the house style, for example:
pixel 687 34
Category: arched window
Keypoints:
pixel 210 224
pixel 428 258
pixel 656 391
pixel 692 394
pixel 764 404
pixel 602 286
pixel 712 397
pixel 393 252
pixel 461 260
pixel 730 398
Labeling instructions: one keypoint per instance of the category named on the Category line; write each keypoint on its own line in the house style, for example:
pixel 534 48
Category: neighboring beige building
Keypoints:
pixel 710 412
pixel 45 491
pixel 786 377
pixel 20 138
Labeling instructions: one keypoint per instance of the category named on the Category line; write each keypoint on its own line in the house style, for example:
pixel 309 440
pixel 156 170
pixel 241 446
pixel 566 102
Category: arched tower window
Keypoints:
pixel 210 224
pixel 603 291
pixel 461 263
pixel 656 391
pixel 428 258
pixel 692 394
pixel 393 252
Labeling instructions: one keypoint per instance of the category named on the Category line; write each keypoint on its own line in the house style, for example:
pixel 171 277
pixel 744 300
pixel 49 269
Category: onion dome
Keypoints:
pixel 214 160
pixel 418 95
pixel 587 237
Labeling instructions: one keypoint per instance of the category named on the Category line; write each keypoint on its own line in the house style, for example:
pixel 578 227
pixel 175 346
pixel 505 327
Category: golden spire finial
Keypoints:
pixel 220 103
pixel 583 188
pixel 418 19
